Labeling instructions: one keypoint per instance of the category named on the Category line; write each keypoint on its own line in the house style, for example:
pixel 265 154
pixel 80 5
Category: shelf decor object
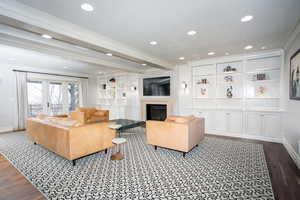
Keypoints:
pixel 229 69
pixel 228 78
pixel 203 91
pixel 229 92
pixel 295 76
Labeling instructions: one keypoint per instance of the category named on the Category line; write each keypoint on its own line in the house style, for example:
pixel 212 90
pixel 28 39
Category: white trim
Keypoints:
pixel 292 152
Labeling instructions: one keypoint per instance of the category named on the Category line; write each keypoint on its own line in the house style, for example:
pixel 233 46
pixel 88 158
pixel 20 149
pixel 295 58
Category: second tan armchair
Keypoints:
pixel 176 132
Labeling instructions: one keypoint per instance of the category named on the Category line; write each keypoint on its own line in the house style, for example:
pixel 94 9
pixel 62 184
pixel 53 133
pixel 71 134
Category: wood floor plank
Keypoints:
pixel 285 175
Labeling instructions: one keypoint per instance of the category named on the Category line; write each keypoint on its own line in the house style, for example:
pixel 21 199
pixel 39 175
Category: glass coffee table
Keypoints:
pixel 122 125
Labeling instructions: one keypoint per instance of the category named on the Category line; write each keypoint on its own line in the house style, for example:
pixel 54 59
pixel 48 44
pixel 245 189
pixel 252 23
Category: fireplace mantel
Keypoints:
pixel 159 100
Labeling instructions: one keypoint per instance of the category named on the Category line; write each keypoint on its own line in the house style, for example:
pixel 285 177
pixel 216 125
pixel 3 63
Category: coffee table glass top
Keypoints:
pixel 127 123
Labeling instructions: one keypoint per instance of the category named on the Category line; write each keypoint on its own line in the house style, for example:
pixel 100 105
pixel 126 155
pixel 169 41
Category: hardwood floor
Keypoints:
pixel 13 185
pixel 284 174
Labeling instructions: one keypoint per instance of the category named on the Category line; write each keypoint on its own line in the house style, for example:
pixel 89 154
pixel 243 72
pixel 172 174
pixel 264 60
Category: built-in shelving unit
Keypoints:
pixel 112 94
pixel 240 97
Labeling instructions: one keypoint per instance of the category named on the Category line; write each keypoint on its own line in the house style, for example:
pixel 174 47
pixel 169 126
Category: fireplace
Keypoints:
pixel 156 112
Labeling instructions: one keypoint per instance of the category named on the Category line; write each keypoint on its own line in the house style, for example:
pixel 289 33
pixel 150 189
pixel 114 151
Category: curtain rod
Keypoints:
pixel 16 70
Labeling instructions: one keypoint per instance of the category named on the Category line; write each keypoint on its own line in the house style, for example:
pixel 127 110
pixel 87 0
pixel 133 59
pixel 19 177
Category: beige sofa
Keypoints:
pixel 68 138
pixel 86 115
pixel 176 132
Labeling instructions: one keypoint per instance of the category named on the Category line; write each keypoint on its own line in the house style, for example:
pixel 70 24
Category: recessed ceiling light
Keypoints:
pixel 192 32
pixel 211 53
pixel 181 58
pixel 227 54
pixel 248 47
pixel 263 47
pixel 66 67
pixel 47 36
pixel 87 7
pixel 108 54
pixel 11 59
pixel 100 72
pixel 246 18
pixel 144 64
pixel 153 43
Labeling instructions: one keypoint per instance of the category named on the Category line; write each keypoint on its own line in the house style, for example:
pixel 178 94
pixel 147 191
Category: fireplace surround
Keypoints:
pixel 156 112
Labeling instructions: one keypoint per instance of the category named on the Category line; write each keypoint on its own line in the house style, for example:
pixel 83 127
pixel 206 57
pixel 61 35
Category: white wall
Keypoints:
pixel 291 119
pixel 8 93
pixel 7 98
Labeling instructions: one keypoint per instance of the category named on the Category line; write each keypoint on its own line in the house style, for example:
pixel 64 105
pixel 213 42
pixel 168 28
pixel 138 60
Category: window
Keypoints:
pixel 73 96
pixel 35 98
pixel 52 97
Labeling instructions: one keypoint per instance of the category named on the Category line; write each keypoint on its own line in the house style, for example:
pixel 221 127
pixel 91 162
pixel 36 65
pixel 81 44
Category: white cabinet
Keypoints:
pixel 264 125
pixel 235 122
pixel 220 121
pixel 253 123
pixel 271 126
pixel 207 115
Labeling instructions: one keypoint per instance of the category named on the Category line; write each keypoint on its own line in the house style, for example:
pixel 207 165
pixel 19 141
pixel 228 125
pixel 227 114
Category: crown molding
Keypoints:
pixel 30 16
pixel 293 35
pixel 237 57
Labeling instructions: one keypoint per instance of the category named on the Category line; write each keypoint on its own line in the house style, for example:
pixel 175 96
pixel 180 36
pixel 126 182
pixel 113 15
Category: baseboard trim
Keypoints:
pixel 6 129
pixel 292 152
pixel 11 131
pixel 251 137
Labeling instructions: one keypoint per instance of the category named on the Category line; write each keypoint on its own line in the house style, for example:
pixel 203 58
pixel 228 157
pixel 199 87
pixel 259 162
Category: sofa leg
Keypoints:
pixel 73 162
pixel 197 145
pixel 105 151
pixel 34 143
pixel 155 147
pixel 183 154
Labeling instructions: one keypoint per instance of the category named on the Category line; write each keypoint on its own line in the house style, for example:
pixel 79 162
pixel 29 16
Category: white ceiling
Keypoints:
pixel 22 59
pixel 136 23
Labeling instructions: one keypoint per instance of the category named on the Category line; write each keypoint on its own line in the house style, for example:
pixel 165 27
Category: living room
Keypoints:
pixel 150 99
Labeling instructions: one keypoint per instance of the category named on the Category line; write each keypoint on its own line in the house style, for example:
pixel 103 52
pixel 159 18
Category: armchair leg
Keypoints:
pixel 155 147
pixel 197 145
pixel 105 151
pixel 73 162
pixel 183 154
pixel 34 143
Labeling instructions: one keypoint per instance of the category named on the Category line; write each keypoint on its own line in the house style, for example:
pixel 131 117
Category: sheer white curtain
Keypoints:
pixel 22 100
pixel 83 87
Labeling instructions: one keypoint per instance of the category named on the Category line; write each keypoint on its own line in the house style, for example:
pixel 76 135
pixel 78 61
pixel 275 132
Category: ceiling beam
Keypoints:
pixel 64 53
pixel 23 17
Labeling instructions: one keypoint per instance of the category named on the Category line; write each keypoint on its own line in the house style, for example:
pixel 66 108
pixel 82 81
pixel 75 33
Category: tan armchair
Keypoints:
pixel 178 133
pixel 86 115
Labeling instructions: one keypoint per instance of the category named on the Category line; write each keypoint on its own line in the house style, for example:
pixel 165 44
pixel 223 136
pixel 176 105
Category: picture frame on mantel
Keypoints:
pixel 295 76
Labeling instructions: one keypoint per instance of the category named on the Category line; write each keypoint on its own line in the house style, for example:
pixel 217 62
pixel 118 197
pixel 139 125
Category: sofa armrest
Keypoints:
pixel 90 138
pixel 196 131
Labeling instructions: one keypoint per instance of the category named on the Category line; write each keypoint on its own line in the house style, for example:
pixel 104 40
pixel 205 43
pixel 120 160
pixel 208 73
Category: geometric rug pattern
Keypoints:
pixel 217 169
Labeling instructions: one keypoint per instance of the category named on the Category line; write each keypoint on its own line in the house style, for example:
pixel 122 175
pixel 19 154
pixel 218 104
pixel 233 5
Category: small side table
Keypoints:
pixel 118 155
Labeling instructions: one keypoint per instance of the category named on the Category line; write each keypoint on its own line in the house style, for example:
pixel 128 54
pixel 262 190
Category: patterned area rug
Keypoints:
pixel 216 169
